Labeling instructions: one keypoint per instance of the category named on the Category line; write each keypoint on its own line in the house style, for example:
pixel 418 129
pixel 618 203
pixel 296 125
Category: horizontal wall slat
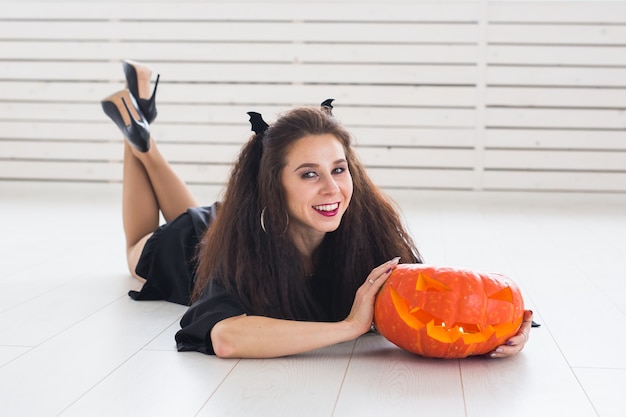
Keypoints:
pixel 231 51
pixel 266 11
pixel 225 154
pixel 542 34
pixel 345 95
pixel 573 12
pixel 422 178
pixel 303 53
pixel 248 73
pixel 554 139
pixel 113 151
pixel 61 151
pixel 61 171
pixel 556 97
pixel 419 137
pixel 240 132
pixel 596 56
pixel 556 76
pixel 426 158
pixel 554 181
pixel 582 160
pixel 102 172
pixel 217 174
pixel 106 131
pixel 350 116
pixel 366 116
pixel 285 33
pixel 555 118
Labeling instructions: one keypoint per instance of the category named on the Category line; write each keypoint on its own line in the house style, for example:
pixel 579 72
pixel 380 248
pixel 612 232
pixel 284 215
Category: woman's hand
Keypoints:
pixel 516 343
pixel 362 312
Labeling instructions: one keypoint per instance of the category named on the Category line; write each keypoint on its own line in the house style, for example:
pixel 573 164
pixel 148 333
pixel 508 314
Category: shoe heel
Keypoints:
pixel 148 107
pixel 134 71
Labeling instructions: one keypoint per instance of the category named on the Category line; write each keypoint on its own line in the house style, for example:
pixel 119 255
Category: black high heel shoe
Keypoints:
pixel 122 108
pixel 135 73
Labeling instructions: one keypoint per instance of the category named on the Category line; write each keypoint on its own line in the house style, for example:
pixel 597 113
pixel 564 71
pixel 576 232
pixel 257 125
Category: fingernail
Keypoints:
pixel 493 355
pixel 499 350
pixel 396 260
pixel 388 271
pixel 509 343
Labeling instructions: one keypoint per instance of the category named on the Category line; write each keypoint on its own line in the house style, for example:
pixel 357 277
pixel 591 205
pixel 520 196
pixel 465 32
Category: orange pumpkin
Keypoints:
pixel 446 312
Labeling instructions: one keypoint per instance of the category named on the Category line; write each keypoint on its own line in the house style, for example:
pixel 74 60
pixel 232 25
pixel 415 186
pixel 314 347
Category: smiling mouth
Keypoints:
pixel 327 209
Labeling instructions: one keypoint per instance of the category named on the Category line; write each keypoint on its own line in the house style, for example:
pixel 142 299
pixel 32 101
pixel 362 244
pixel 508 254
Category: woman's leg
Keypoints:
pixel 150 185
pixel 172 194
pixel 140 210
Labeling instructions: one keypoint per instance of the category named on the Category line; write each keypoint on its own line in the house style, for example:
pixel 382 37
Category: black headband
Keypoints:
pixel 258 124
pixel 327 105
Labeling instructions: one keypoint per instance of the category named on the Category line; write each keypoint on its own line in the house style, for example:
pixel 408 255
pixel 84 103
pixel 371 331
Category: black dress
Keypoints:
pixel 168 263
pixel 168 260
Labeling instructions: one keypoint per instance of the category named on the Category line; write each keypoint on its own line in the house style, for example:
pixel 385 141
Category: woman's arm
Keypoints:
pixel 262 337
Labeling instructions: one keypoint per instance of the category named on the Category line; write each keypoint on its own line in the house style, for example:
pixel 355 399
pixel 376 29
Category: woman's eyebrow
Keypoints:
pixel 314 165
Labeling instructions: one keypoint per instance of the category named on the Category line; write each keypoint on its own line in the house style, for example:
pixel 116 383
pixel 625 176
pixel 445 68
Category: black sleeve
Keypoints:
pixel 214 306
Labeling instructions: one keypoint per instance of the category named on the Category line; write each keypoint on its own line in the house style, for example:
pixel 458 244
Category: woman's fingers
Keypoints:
pixel 362 312
pixel 379 275
pixel 516 343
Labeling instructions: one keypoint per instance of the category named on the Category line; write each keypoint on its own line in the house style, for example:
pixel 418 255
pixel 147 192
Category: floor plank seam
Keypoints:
pixel 101 380
pixel 462 388
pixel 571 369
pixel 18 356
pixel 82 319
pixel 582 387
pixel 217 387
pixel 145 346
pixel 343 378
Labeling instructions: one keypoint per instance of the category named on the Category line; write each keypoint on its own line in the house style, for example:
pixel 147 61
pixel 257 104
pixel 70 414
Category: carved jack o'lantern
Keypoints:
pixel 447 312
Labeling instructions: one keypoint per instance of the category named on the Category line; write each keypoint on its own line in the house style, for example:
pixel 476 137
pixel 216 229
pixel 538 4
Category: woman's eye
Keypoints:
pixel 339 170
pixel 309 174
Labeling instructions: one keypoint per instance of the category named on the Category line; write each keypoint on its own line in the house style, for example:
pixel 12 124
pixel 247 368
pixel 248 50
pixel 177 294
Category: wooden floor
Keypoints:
pixel 73 344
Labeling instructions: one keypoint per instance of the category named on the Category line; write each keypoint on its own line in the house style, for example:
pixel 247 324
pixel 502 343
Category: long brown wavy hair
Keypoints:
pixel 263 269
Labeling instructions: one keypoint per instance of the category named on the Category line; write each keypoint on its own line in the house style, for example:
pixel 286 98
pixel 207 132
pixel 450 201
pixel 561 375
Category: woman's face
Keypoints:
pixel 318 186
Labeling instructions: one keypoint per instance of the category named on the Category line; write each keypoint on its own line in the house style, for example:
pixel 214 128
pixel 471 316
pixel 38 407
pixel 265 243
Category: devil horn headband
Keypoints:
pixel 258 124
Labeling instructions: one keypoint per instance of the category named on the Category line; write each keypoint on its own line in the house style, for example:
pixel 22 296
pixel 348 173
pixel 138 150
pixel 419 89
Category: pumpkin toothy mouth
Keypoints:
pixel 418 318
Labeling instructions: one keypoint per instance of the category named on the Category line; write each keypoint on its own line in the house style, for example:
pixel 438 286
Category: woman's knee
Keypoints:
pixel 133 253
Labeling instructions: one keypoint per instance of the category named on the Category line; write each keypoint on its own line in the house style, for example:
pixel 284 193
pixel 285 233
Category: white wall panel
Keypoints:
pixel 467 95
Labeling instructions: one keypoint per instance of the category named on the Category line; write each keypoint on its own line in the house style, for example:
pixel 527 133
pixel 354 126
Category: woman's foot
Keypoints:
pixel 122 108
pixel 138 77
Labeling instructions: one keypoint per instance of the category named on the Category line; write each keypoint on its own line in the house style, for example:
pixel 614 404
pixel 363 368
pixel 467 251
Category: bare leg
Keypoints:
pixel 172 194
pixel 150 185
pixel 140 211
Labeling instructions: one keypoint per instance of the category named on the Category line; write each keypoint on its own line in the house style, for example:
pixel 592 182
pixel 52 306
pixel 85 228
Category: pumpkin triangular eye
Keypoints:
pixel 504 294
pixel 425 283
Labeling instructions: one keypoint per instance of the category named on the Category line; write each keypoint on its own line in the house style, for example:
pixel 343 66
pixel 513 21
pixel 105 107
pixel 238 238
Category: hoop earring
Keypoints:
pixel 263 221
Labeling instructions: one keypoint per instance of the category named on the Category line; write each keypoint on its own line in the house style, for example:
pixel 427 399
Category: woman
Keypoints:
pixel 295 252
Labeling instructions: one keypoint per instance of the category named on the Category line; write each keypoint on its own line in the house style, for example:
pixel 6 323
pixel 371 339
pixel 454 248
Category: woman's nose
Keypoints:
pixel 329 186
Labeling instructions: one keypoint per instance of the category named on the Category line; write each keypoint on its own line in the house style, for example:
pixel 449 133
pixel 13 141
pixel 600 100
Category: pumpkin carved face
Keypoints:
pixel 446 312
